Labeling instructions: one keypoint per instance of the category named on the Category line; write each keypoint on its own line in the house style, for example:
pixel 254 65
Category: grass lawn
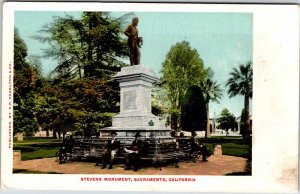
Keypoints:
pixel 37 147
pixel 231 145
pixel 38 140
pixel 35 151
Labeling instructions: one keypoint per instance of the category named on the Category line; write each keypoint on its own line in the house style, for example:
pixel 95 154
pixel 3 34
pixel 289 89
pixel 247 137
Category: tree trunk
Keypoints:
pixel 246 103
pixel 174 122
pixel 79 70
pixel 59 134
pixel 207 131
pixel 247 120
pixel 54 134
pixel 47 132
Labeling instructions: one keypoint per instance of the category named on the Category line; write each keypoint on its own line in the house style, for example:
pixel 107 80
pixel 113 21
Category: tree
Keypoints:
pixel 27 82
pixel 244 123
pixel 86 47
pixel 240 83
pixel 20 51
pixel 80 105
pixel 227 120
pixel 159 101
pixel 80 95
pixel 212 93
pixel 181 69
pixel 193 112
pixel 24 115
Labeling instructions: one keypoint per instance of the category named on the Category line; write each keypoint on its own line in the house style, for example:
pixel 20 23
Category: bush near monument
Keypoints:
pixel 193 110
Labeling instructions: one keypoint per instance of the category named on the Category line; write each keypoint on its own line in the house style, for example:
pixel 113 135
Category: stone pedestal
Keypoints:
pixel 135 105
pixel 135 92
pixel 16 157
pixel 218 150
pixel 20 137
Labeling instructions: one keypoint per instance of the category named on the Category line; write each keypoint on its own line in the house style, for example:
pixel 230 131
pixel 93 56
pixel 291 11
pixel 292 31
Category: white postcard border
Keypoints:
pixel 275 104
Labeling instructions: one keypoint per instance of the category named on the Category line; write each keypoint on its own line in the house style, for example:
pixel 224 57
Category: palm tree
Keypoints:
pixel 212 93
pixel 240 83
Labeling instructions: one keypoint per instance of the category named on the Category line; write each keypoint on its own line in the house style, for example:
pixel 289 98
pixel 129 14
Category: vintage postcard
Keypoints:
pixel 150 97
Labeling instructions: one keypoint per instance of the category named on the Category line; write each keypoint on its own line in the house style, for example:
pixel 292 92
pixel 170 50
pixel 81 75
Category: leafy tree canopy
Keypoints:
pixel 86 47
pixel 211 89
pixel 240 81
pixel 20 51
pixel 27 82
pixel 227 120
pixel 85 105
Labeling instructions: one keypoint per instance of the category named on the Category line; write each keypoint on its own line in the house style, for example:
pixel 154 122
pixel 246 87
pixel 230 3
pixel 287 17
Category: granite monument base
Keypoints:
pixel 135 107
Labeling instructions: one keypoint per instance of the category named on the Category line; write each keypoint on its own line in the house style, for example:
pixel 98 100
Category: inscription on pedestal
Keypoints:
pixel 129 100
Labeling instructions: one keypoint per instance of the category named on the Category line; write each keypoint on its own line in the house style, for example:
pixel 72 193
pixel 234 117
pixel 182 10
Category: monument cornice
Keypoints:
pixel 135 76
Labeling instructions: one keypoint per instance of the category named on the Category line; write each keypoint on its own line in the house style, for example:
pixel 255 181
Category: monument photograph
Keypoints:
pixel 156 97
pixel 132 93
pixel 166 97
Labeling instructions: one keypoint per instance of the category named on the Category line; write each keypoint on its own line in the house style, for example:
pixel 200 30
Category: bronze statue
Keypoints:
pixel 134 42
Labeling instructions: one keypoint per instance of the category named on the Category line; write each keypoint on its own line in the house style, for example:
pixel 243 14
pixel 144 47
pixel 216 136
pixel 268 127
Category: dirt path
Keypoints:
pixel 217 165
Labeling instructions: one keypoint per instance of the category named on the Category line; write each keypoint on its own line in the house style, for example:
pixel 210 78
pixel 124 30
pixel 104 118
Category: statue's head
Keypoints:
pixel 135 21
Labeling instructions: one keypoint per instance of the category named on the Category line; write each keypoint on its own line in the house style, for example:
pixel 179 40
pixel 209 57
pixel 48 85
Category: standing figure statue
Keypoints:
pixel 134 42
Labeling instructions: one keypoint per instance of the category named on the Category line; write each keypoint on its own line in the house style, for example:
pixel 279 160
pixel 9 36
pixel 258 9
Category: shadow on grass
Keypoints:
pixel 236 140
pixel 23 171
pixel 239 174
